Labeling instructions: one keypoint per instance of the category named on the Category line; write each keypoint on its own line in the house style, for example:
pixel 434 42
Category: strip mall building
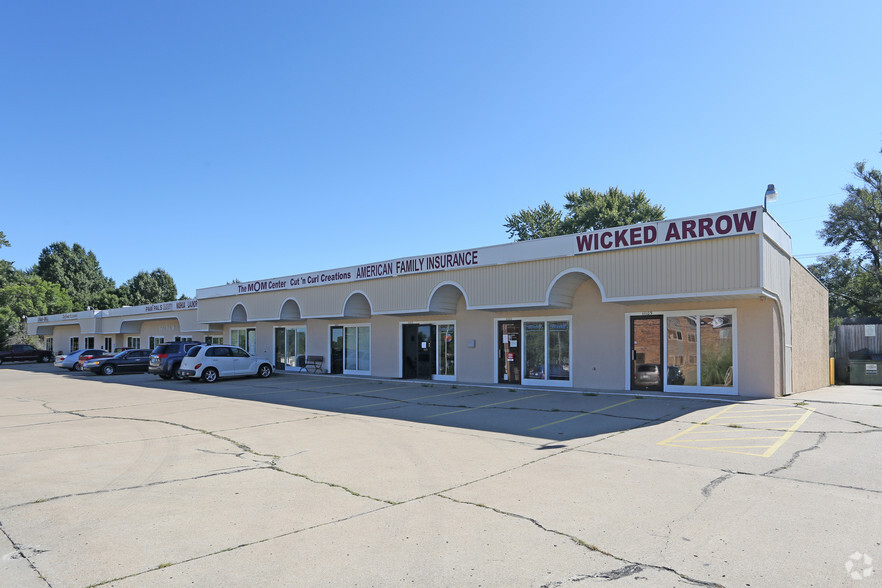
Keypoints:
pixel 713 304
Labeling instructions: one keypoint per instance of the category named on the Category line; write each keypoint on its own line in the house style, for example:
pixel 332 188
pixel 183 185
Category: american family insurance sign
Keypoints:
pixel 711 226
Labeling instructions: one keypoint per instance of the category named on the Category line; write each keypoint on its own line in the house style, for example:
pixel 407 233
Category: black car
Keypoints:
pixel 166 358
pixel 132 361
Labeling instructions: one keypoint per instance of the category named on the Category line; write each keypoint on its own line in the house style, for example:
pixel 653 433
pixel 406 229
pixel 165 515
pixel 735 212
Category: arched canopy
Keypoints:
pixel 290 311
pixel 564 286
pixel 357 306
pixel 445 298
pixel 239 314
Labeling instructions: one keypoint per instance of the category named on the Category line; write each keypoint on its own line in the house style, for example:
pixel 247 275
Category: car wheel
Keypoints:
pixel 77 367
pixel 108 369
pixel 209 375
pixel 1 361
pixel 175 372
pixel 43 359
pixel 264 371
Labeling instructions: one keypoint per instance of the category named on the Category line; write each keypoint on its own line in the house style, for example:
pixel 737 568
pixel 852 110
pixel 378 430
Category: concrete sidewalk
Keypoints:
pixel 311 481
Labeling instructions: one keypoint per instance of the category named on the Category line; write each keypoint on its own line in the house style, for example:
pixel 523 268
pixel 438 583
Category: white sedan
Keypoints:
pixel 210 362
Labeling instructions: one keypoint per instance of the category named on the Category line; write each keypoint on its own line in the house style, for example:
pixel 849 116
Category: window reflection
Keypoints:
pixel 707 338
pixel 682 351
pixel 547 350
pixel 716 350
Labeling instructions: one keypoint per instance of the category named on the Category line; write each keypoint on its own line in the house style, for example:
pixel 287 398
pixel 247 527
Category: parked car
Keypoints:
pixel 676 377
pixel 210 362
pixel 648 375
pixel 87 356
pixel 25 353
pixel 132 361
pixel 71 360
pixel 166 358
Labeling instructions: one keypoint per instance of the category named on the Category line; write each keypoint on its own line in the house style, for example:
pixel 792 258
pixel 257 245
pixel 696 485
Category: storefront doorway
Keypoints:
pixel 336 350
pixel 509 352
pixel 419 353
pixel 647 367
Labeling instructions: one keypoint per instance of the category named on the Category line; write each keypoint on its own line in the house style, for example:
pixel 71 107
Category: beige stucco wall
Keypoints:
pixel 810 324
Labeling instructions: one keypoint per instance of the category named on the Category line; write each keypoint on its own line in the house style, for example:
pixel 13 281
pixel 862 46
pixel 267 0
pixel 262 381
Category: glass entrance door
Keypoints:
pixel 646 353
pixel 509 351
pixel 280 348
pixel 336 350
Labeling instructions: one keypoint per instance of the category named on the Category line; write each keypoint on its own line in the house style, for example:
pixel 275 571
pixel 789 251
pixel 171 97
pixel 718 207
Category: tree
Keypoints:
pixel 534 223
pixel 146 288
pixel 590 210
pixel 852 292
pixel 76 270
pixel 854 275
pixel 586 210
pixel 28 296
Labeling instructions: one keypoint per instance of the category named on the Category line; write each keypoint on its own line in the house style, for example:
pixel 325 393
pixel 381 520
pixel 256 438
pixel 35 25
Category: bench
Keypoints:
pixel 313 363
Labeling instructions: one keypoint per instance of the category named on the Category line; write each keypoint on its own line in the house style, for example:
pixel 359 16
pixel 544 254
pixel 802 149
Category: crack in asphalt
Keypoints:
pixel 586 545
pixel 137 487
pixel 707 490
pixel 821 438
pixel 167 565
pixel 20 553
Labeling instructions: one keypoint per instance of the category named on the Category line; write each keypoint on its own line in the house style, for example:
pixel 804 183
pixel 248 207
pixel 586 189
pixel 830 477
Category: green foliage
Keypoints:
pixel 586 210
pixel 853 291
pixel 854 276
pixel 28 296
pixel 715 367
pixel 76 270
pixel 590 210
pixel 147 288
pixel 4 242
pixel 534 223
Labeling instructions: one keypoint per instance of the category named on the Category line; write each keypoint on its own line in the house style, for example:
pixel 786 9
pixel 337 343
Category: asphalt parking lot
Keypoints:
pixel 327 481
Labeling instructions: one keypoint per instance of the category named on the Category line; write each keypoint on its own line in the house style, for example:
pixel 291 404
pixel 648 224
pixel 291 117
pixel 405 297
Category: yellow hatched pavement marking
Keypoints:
pixel 730 436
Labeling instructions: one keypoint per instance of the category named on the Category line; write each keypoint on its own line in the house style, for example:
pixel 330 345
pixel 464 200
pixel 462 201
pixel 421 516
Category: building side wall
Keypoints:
pixel 811 349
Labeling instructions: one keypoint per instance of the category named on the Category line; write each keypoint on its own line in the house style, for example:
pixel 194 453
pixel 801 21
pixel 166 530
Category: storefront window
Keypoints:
pixel 133 342
pixel 700 351
pixel 547 350
pixel 89 342
pixel 49 344
pixel 295 345
pixel 682 351
pixel 716 350
pixel 357 349
pixel 244 338
pixel 534 355
pixel 559 350
pixel 446 346
pixel 74 344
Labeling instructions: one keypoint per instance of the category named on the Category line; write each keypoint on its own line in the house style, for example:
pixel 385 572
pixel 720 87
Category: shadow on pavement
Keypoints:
pixel 542 413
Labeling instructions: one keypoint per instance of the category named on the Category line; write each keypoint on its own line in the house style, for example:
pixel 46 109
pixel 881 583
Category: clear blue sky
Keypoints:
pixel 248 140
